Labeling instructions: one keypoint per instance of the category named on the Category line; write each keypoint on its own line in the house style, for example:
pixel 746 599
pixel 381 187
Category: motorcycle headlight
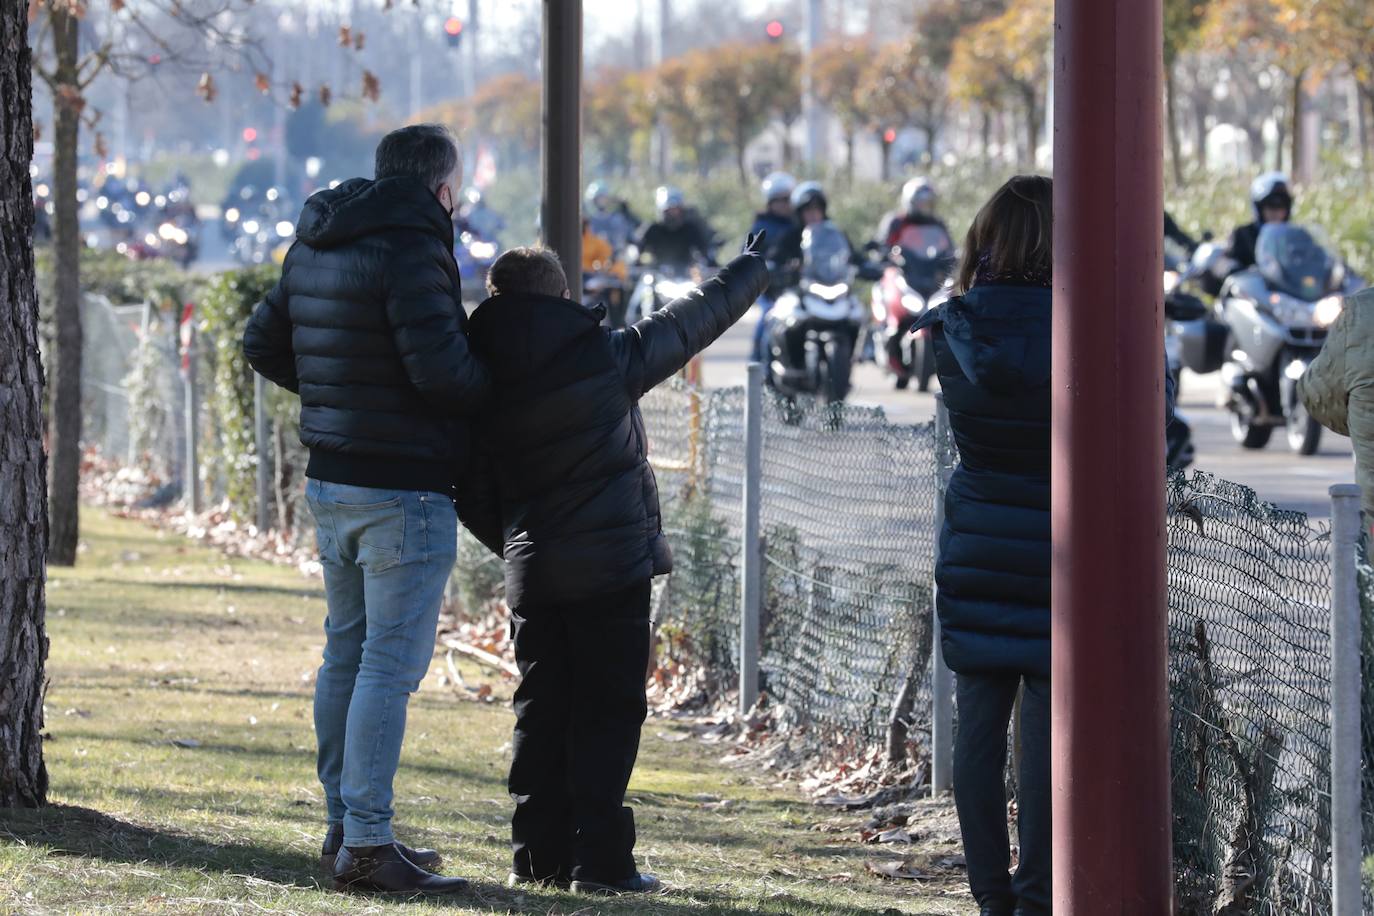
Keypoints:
pixel 671 291
pixel 1327 311
pixel 913 303
pixel 482 250
pixel 828 292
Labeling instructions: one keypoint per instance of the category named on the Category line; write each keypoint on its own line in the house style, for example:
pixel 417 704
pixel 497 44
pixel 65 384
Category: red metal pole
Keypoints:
pixel 1109 684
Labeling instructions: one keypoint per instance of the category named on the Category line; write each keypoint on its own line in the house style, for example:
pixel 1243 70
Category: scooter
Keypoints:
pixel 1278 313
pixel 912 283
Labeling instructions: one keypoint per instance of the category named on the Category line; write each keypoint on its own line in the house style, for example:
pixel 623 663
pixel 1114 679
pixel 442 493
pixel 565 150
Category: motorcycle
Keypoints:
pixel 605 287
pixel 1185 317
pixel 1278 313
pixel 914 280
pixel 814 327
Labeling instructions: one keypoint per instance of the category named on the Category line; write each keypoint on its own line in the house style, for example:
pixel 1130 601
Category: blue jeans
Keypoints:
pixel 387 555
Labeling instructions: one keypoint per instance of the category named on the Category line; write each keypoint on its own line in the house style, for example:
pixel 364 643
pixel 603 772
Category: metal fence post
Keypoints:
pixel 191 474
pixel 751 572
pixel 262 442
pixel 942 680
pixel 1346 840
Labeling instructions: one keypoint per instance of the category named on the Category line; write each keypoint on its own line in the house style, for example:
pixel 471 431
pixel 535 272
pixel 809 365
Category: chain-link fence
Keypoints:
pixel 849 546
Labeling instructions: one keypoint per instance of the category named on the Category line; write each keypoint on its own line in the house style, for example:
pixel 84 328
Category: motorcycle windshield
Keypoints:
pixel 927 242
pixel 923 273
pixel 1291 261
pixel 825 254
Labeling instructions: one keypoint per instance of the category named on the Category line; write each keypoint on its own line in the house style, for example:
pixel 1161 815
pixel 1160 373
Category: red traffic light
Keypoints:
pixel 250 134
pixel 774 29
pixel 453 25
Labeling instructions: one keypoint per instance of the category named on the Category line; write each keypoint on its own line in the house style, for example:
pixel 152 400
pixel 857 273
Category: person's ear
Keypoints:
pixel 567 293
pixel 445 195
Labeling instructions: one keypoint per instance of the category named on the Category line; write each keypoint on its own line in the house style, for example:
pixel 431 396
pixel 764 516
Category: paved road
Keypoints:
pixel 1276 474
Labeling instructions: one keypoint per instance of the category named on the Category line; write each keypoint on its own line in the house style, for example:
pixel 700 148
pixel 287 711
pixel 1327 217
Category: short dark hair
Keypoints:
pixel 424 151
pixel 527 270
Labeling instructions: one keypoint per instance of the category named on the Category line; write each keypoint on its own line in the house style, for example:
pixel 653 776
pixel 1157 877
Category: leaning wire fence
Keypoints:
pixel 848 512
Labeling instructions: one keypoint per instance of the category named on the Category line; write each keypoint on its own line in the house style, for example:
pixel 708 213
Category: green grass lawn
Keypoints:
pixel 182 764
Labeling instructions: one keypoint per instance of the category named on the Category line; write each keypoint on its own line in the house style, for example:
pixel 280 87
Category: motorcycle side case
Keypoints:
pixel 1202 344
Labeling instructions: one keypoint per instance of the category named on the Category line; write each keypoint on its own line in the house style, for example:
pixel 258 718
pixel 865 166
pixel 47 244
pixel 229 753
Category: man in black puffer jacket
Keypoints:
pixel 570 501
pixel 367 324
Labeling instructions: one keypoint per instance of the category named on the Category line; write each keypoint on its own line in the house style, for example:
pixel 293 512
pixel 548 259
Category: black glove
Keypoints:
pixel 754 243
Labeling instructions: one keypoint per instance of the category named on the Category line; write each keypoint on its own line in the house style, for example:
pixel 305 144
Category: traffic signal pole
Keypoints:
pixel 560 214
pixel 1110 724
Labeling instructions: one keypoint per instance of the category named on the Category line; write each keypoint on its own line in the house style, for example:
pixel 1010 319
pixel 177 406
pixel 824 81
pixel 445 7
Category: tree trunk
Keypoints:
pixel 849 141
pixel 987 134
pixel 1295 156
pixel 1200 113
pixel 65 423
pixel 1031 95
pixel 23 497
pixel 1171 123
pixel 1364 103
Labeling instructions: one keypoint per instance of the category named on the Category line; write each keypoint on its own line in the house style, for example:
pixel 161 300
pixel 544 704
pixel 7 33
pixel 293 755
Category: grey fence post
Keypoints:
pixel 1346 840
pixel 262 442
pixel 942 681
pixel 191 473
pixel 751 556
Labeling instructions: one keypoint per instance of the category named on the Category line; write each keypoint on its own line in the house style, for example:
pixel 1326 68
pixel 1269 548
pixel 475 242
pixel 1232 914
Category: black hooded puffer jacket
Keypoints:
pixel 563 488
pixel 367 324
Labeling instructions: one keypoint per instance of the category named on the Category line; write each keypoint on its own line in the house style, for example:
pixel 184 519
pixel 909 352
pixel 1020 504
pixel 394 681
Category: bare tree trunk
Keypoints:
pixel 987 134
pixel 849 141
pixel 65 421
pixel 1200 113
pixel 1364 104
pixel 1171 123
pixel 1032 101
pixel 23 472
pixel 1295 116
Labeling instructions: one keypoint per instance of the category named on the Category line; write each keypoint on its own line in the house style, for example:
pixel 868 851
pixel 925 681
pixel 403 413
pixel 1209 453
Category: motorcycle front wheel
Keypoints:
pixel 839 364
pixel 1246 432
pixel 1304 433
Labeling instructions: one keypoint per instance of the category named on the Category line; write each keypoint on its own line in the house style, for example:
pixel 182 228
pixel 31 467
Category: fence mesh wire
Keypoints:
pixel 848 519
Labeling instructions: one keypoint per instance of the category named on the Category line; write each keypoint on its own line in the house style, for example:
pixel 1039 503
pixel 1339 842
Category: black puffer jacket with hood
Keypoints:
pixel 562 487
pixel 367 324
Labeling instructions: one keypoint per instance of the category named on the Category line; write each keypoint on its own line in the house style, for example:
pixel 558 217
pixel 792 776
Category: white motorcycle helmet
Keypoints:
pixel 918 196
pixel 777 186
pixel 1272 187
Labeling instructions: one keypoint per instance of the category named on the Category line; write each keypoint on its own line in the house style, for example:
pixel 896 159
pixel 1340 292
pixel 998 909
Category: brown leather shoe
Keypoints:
pixel 384 870
pixel 427 859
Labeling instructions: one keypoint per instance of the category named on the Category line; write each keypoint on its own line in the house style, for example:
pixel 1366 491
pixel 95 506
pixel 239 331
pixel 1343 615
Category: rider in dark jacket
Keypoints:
pixel 564 492
pixel 367 325
pixel 1273 203
pixel 680 238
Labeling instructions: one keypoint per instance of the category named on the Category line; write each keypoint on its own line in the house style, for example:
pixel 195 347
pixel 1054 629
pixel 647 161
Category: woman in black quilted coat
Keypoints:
pixel 992 350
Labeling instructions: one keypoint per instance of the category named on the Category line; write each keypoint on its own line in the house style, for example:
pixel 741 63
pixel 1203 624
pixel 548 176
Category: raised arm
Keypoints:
pixel 652 350
pixel 267 341
pixel 429 326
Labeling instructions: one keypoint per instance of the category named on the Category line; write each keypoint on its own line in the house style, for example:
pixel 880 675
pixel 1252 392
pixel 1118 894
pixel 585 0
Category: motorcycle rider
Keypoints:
pixel 609 216
pixel 479 219
pixel 1273 203
pixel 777 219
pixel 678 239
pixel 917 209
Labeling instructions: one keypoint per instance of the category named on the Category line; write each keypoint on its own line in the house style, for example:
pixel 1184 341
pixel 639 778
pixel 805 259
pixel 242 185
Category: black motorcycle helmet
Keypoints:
pixel 1271 190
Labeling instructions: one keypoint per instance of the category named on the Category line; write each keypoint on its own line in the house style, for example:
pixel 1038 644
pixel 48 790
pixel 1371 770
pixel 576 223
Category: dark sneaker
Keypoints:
pixel 384 870
pixel 515 879
pixel 427 859
pixel 638 884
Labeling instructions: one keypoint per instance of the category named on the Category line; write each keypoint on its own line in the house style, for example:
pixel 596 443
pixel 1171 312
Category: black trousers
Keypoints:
pixel 578 713
pixel 980 761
